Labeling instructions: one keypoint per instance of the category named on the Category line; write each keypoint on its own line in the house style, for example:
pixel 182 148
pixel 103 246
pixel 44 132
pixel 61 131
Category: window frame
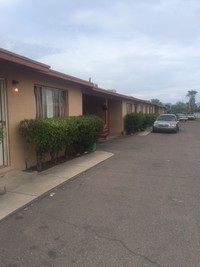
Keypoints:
pixel 57 108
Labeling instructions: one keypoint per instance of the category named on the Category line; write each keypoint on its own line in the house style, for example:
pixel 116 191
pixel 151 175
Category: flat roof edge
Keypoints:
pixel 18 59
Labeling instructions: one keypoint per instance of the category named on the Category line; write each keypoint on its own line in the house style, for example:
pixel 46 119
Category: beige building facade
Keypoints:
pixel 29 90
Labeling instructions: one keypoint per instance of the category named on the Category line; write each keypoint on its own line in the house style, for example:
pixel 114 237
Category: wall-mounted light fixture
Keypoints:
pixel 104 106
pixel 15 83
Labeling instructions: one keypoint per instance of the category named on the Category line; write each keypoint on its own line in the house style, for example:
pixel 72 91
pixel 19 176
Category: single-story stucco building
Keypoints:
pixel 30 89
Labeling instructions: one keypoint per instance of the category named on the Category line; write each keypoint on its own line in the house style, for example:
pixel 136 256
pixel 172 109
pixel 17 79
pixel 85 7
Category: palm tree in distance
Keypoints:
pixel 191 104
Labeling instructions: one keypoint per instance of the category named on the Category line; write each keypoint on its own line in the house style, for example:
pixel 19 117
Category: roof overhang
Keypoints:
pixel 96 91
pixel 8 57
pixel 17 60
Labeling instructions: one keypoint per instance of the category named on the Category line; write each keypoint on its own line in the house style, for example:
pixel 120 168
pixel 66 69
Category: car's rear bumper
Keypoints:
pixel 165 129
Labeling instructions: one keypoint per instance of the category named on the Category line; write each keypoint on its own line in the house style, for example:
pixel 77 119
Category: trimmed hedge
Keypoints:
pixel 135 122
pixel 72 134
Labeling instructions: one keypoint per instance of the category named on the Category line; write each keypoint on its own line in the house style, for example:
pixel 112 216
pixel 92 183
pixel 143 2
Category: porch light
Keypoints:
pixel 15 89
pixel 104 106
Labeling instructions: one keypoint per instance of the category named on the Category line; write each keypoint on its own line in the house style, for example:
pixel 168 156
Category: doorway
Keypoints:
pixel 3 143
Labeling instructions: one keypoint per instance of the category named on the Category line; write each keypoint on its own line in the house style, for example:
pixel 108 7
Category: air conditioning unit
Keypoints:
pixel 112 90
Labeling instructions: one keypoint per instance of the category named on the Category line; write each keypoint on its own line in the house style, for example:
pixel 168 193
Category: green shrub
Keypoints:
pixel 132 122
pixel 53 135
pixel 88 129
pixel 138 121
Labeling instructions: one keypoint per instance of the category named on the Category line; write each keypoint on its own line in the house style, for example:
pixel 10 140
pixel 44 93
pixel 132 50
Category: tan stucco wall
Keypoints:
pixel 124 112
pixel 75 102
pixel 22 106
pixel 139 108
pixel 123 108
pixel 115 117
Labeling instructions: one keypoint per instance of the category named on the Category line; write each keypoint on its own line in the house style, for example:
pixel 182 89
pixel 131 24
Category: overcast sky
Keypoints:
pixel 144 48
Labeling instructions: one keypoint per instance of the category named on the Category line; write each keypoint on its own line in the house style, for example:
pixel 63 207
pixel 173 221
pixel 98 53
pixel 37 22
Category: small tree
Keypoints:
pixel 191 104
pixel 179 107
pixel 157 102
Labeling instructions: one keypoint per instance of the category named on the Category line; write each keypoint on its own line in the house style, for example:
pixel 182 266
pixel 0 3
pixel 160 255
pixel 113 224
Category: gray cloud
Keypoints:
pixel 146 48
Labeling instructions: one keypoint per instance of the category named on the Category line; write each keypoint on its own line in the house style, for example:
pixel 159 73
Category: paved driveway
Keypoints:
pixel 138 208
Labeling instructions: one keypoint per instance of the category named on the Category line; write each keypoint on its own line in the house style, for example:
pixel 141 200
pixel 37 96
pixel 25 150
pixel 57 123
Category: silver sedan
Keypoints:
pixel 166 123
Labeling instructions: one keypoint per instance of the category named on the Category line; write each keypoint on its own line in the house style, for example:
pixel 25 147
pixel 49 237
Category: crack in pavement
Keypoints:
pixel 127 248
pixel 107 238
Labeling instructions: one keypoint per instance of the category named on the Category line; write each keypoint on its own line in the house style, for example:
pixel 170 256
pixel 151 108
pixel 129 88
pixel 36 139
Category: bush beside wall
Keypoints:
pixel 135 122
pixel 71 134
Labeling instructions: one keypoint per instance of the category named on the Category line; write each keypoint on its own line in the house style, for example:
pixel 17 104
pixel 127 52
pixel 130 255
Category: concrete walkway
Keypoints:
pixel 21 188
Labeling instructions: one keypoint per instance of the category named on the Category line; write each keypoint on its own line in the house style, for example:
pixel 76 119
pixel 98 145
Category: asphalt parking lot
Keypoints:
pixel 138 208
